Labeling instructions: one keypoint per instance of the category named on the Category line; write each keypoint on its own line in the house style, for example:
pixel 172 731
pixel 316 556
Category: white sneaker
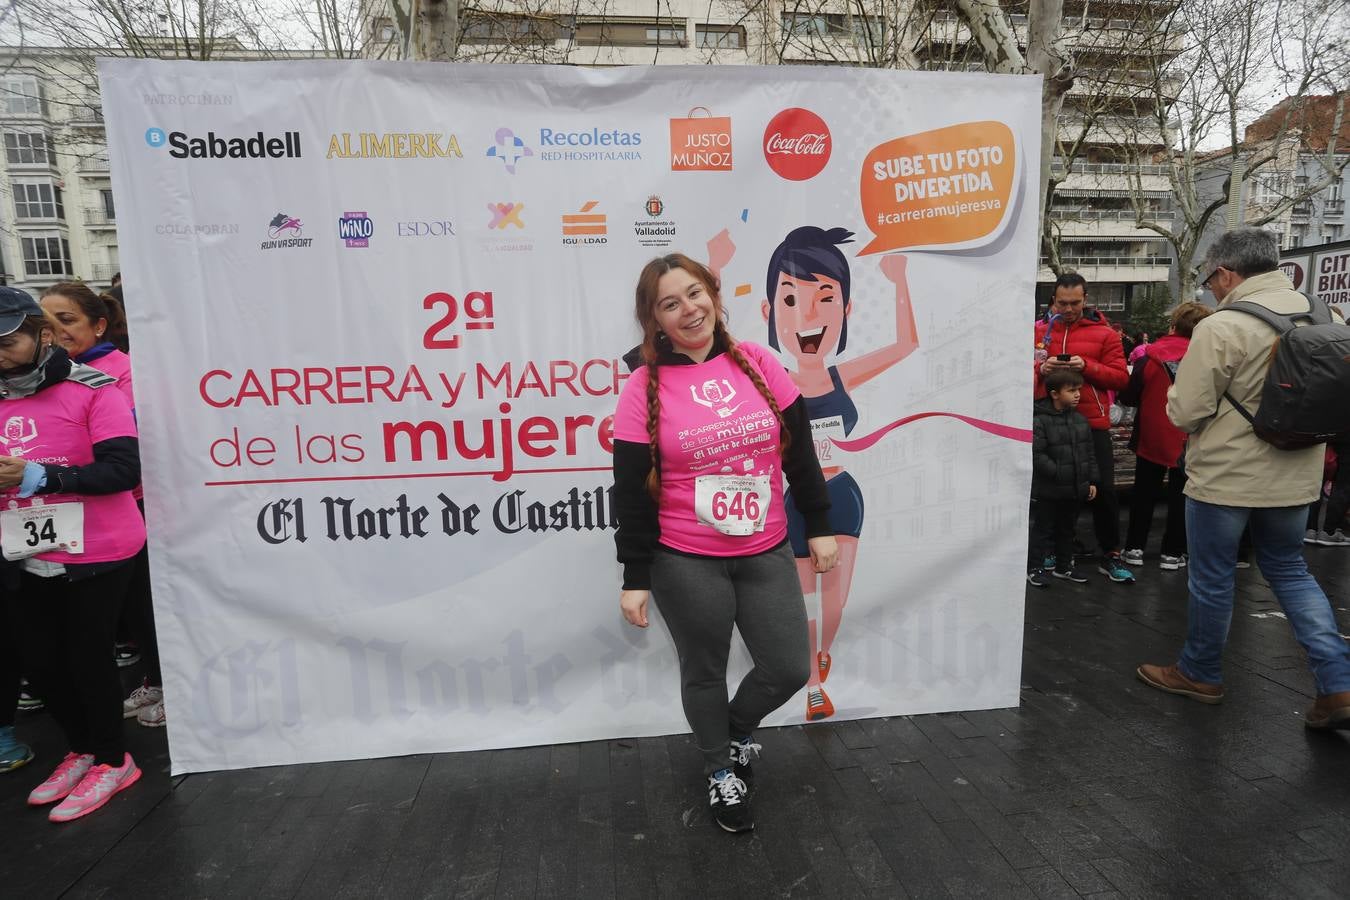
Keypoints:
pixel 1172 563
pixel 143 696
pixel 1335 538
pixel 152 716
pixel 1133 557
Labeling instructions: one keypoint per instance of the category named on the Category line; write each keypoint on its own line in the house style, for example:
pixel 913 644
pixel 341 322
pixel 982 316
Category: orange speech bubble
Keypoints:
pixel 948 186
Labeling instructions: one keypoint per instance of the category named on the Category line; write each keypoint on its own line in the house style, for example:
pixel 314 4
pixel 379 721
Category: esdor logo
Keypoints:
pixel 797 144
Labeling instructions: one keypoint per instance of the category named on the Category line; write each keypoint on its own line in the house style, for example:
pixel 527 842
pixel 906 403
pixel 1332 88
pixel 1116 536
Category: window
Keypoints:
pixel 23 96
pixel 47 256
pixel 1334 192
pixel 720 37
pixel 27 148
pixel 1331 233
pixel 861 29
pixel 633 33
pixel 108 209
pixel 37 200
pixel 508 28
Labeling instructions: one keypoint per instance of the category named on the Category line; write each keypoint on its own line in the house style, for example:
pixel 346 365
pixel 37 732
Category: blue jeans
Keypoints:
pixel 1213 533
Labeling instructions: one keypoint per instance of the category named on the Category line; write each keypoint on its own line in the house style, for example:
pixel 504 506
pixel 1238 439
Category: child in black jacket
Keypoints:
pixel 1064 474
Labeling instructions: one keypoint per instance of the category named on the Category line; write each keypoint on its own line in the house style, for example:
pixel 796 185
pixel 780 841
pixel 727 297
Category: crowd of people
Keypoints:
pixel 75 572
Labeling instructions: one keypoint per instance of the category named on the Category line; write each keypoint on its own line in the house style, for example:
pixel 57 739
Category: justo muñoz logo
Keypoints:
pixel 797 144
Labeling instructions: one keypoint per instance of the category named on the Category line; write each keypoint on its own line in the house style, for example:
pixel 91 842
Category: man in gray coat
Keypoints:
pixel 1236 479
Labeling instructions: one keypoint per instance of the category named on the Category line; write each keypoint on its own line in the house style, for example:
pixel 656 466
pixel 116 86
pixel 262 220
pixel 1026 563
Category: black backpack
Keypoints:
pixel 1306 396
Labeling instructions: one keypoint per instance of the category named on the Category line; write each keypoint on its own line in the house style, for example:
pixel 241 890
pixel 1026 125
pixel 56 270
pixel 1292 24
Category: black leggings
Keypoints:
pixel 69 628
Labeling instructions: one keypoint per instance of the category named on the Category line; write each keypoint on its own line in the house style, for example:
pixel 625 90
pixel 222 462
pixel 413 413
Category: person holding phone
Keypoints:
pixel 69 530
pixel 1079 339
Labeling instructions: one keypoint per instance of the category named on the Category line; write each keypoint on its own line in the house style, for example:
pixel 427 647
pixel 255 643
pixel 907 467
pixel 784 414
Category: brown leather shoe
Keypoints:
pixel 1170 679
pixel 1331 711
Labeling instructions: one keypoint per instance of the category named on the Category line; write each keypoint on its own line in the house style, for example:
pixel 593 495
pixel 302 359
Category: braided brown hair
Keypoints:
pixel 653 341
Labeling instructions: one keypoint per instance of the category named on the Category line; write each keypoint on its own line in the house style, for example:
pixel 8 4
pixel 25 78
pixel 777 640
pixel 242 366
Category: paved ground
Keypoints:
pixel 1096 786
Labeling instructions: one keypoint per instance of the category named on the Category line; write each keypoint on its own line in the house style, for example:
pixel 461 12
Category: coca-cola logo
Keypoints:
pixel 797 144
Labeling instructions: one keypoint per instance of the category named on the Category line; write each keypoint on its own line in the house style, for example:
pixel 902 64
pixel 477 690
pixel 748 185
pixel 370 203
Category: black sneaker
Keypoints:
pixel 127 654
pixel 1036 578
pixel 27 701
pixel 1071 575
pixel 729 801
pixel 742 752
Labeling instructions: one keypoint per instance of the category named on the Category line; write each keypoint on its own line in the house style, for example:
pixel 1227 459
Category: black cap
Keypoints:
pixel 15 306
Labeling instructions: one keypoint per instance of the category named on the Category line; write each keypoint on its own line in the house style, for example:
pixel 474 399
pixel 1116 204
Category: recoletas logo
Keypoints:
pixel 258 145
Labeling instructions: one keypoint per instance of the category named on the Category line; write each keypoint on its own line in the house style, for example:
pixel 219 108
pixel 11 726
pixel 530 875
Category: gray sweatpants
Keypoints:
pixel 701 598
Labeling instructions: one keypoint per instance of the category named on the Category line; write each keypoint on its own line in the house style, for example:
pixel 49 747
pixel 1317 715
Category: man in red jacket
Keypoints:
pixel 1078 338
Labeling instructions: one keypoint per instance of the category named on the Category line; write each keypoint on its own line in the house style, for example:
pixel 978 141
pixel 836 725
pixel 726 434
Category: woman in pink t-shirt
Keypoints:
pixel 69 530
pixel 87 324
pixel 705 431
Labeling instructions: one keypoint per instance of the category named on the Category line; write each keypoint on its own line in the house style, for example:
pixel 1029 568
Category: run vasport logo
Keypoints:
pixel 585 226
pixel 797 144
pixel 700 143
pixel 285 232
pixel 259 145
pixel 654 231
pixel 355 229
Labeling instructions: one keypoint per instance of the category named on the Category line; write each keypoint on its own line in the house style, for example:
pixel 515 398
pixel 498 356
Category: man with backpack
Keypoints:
pixel 1222 398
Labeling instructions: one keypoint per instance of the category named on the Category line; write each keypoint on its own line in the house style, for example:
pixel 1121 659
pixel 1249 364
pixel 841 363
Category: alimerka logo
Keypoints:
pixel 393 145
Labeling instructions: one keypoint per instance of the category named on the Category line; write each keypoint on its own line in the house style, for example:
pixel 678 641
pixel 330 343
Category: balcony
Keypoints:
pixel 1300 211
pixel 105 271
pixel 1119 268
pixel 95 166
pixel 97 217
pixel 86 115
pixel 1334 209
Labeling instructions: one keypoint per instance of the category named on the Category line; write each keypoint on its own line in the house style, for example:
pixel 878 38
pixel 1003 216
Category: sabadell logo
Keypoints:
pixel 797 144
pixel 213 146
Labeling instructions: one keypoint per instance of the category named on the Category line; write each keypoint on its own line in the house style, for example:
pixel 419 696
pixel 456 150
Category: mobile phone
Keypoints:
pixel 1063 357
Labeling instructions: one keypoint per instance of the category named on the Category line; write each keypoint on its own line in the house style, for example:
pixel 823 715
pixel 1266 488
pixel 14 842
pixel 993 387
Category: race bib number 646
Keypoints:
pixel 733 504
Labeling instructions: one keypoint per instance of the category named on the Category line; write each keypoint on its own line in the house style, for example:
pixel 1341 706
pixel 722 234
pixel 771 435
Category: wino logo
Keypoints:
pixel 509 149
pixel 585 227
pixel 355 229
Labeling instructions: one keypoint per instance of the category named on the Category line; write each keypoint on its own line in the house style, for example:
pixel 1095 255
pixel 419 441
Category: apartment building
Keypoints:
pixel 58 218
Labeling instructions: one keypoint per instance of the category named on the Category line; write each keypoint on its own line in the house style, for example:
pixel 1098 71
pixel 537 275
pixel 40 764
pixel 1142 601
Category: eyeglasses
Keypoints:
pixel 1205 284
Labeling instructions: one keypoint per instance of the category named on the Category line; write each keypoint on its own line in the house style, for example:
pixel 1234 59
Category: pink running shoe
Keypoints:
pixel 61 782
pixel 97 787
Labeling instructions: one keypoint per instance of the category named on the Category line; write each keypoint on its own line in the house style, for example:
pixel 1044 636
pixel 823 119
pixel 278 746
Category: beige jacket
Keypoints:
pixel 1226 463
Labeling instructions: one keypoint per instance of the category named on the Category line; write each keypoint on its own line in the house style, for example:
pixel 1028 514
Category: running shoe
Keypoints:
pixel 1310 536
pixel 1133 557
pixel 823 663
pixel 1036 578
pixel 127 654
pixel 1071 575
pixel 143 696
pixel 96 788
pixel 14 753
pixel 1114 569
pixel 818 705
pixel 27 701
pixel 743 752
pixel 729 802
pixel 1172 563
pixel 61 782
pixel 1335 538
pixel 151 716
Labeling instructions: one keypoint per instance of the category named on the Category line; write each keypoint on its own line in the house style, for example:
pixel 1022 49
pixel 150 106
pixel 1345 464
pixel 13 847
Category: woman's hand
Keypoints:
pixel 11 471
pixel 824 553
pixel 633 604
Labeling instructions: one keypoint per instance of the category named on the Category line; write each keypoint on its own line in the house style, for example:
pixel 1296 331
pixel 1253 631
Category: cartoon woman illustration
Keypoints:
pixel 807 310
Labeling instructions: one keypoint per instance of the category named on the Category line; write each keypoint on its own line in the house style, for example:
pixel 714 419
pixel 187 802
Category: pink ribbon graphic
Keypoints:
pixel 994 428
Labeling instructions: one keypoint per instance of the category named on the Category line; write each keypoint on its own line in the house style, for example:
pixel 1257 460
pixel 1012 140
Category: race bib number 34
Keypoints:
pixel 733 504
pixel 42 529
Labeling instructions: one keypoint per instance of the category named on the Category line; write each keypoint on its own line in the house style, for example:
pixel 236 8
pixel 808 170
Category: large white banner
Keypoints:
pixel 378 315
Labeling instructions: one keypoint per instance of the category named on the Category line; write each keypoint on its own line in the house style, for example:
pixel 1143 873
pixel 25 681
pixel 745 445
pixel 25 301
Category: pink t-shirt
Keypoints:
pixel 721 472
pixel 60 426
pixel 118 365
